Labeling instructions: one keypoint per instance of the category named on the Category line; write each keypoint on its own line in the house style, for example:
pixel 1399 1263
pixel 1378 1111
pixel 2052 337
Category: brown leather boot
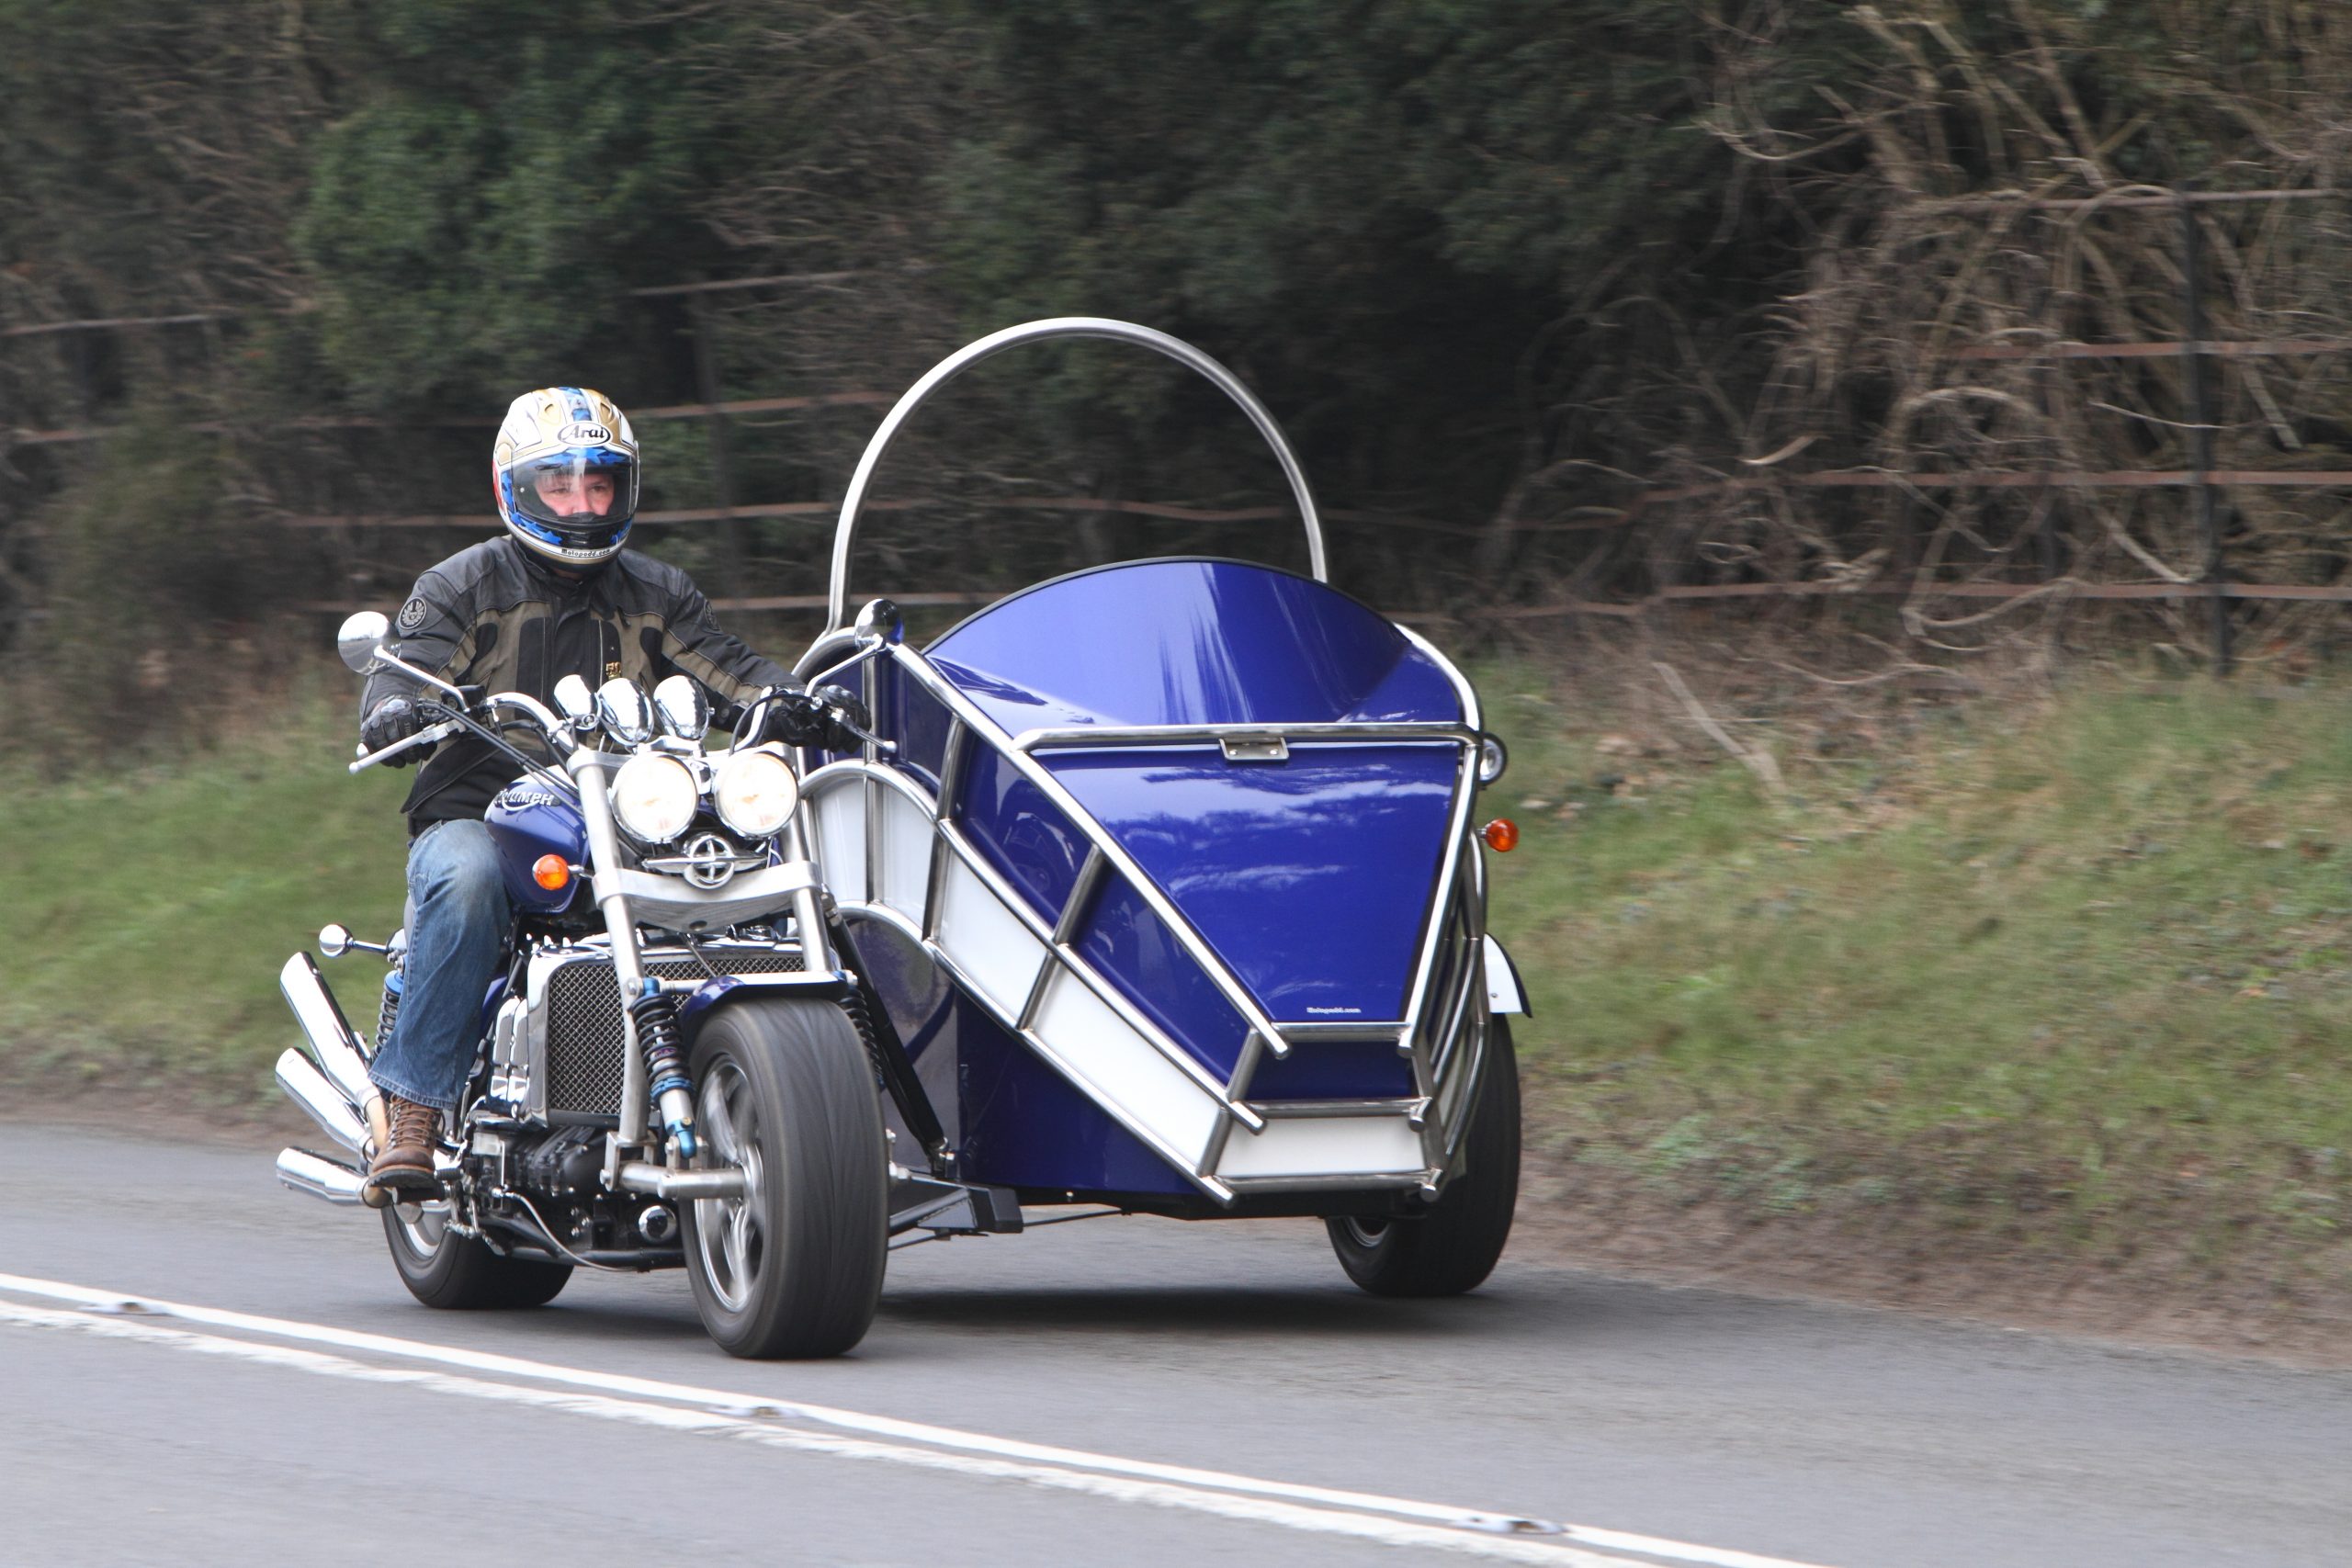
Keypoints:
pixel 405 1162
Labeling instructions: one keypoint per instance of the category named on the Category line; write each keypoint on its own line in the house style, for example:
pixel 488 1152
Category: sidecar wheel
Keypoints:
pixel 784 1092
pixel 442 1269
pixel 1454 1246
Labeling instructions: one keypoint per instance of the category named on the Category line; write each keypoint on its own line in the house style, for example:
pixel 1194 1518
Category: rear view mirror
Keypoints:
pixel 357 639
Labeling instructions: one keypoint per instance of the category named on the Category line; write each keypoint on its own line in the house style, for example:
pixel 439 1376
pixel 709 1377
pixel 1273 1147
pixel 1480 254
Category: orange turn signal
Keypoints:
pixel 554 873
pixel 1502 835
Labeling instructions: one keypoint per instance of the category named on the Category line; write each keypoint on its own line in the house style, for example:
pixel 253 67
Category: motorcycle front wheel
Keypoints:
pixel 442 1269
pixel 793 1269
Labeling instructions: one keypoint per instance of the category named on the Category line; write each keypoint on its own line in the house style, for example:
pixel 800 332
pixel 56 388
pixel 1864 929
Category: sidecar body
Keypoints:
pixel 1168 876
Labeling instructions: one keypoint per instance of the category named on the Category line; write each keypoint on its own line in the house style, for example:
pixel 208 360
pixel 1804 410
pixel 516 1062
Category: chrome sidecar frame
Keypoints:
pixel 911 835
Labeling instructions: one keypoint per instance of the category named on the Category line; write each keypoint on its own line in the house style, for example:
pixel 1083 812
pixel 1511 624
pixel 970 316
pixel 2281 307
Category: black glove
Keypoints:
pixel 807 719
pixel 394 720
pixel 848 708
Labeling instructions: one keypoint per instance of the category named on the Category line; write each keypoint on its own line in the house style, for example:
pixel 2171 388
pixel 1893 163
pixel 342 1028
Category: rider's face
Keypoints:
pixel 576 495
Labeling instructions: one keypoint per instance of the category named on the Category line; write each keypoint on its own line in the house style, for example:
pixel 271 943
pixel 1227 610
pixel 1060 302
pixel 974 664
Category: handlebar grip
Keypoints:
pixel 431 736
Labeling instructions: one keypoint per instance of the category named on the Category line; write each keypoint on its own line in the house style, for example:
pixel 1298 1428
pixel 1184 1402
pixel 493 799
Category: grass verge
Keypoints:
pixel 2063 983
pixel 148 910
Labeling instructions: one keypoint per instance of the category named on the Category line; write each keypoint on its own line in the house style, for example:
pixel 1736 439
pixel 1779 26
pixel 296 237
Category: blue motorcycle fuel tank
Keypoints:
pixel 528 820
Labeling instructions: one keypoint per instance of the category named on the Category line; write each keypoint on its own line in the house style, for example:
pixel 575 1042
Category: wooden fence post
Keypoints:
pixel 2194 353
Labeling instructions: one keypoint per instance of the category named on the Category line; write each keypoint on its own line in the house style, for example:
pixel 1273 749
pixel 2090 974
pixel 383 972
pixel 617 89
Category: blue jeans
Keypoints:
pixel 457 920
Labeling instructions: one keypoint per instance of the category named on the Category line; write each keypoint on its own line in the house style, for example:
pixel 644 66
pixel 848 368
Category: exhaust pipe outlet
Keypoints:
pixel 319 1176
pixel 308 1088
pixel 658 1224
pixel 333 1043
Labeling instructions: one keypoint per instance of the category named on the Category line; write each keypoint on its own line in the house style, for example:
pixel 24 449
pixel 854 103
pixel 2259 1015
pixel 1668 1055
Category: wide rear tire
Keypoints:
pixel 1453 1246
pixel 459 1273
pixel 784 1091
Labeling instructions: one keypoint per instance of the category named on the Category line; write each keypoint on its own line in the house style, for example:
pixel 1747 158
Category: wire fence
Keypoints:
pixel 2206 488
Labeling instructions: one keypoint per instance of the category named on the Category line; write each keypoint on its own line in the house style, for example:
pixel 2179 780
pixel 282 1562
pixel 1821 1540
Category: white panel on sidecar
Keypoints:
pixel 903 848
pixel 838 806
pixel 988 946
pixel 1503 994
pixel 1090 1041
pixel 1324 1146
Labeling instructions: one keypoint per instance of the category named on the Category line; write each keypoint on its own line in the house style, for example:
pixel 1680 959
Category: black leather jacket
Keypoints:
pixel 496 616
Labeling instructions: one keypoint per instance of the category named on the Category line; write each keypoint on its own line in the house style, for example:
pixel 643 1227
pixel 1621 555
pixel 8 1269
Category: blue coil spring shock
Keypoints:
pixel 388 1012
pixel 655 1013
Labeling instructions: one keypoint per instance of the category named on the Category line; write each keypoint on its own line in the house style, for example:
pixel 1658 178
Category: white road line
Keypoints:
pixel 752 1417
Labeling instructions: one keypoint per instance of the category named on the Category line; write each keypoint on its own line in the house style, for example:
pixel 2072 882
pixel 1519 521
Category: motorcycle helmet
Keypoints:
pixel 565 472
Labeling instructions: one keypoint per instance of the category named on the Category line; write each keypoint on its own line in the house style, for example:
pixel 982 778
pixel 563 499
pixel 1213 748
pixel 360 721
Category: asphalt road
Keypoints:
pixel 1816 1434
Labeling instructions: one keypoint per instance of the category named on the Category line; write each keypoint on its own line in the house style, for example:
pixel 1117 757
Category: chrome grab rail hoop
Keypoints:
pixel 948 370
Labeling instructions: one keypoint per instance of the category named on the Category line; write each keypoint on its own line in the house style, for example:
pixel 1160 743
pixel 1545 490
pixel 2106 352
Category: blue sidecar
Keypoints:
pixel 1168 878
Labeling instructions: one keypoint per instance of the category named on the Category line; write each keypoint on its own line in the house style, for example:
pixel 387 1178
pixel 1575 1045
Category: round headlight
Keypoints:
pixel 755 793
pixel 1492 759
pixel 654 796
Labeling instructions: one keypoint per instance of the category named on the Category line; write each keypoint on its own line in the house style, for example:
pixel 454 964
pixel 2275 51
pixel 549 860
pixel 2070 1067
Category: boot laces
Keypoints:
pixel 414 1123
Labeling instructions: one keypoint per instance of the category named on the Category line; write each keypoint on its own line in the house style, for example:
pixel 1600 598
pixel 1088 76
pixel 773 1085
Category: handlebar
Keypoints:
pixel 431 736
pixel 756 713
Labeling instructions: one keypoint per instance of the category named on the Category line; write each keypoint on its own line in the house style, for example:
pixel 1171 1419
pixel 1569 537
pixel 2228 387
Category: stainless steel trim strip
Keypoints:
pixel 1390 1030
pixel 971 353
pixel 1245 1185
pixel 951 762
pixel 1213 1153
pixel 1245 1067
pixel 1104 737
pixel 1320 1110
pixel 1081 893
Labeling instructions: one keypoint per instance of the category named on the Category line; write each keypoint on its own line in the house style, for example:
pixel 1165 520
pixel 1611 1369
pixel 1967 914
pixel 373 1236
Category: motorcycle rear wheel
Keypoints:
pixel 784 1092
pixel 459 1273
pixel 1455 1245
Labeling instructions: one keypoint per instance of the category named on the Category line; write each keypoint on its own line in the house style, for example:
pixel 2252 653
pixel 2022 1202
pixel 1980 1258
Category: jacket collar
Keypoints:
pixel 594 586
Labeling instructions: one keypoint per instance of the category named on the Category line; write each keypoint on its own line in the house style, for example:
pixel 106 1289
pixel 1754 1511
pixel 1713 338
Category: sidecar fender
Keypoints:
pixel 1504 993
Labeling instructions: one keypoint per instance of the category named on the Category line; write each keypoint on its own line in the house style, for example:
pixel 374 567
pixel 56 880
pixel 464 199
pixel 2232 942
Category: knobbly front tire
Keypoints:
pixel 1453 1246
pixel 784 1091
pixel 459 1273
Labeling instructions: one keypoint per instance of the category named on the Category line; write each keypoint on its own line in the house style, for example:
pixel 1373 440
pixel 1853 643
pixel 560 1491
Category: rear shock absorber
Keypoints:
pixel 389 1013
pixel 655 1013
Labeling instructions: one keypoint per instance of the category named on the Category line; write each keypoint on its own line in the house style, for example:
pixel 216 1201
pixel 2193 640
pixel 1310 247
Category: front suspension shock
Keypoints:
pixel 655 1013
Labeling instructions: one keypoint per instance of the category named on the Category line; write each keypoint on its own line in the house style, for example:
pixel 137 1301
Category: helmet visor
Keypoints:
pixel 587 494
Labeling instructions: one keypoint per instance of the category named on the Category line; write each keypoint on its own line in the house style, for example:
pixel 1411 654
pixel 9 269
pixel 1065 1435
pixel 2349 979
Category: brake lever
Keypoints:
pixel 431 736
pixel 886 747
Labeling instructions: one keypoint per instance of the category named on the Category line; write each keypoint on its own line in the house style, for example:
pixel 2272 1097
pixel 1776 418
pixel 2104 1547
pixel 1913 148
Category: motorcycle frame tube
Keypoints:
pixel 971 353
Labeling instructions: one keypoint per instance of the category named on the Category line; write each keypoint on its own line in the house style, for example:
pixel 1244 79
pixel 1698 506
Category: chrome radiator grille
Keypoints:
pixel 585 1044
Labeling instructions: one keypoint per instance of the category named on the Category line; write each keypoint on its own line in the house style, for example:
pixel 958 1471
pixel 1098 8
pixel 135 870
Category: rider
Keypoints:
pixel 556 595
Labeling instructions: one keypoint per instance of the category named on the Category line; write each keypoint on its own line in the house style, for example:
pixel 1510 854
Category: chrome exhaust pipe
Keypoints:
pixel 319 1176
pixel 332 1042
pixel 308 1088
